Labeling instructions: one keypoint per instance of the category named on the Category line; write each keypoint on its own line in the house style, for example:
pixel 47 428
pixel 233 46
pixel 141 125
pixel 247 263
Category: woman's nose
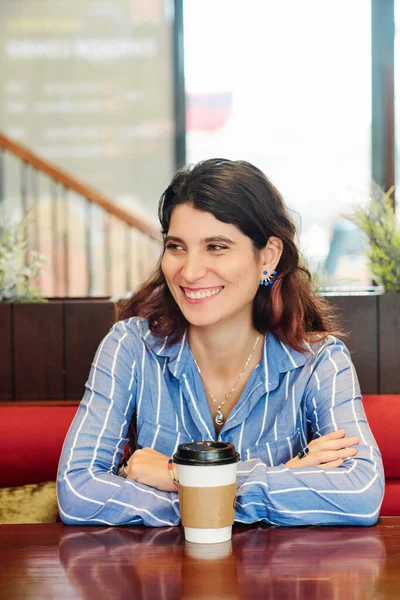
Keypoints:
pixel 193 268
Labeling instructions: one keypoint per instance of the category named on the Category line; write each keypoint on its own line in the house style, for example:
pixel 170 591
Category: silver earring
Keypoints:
pixel 268 279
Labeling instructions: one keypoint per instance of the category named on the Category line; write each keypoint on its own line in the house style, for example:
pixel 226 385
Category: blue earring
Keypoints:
pixel 268 280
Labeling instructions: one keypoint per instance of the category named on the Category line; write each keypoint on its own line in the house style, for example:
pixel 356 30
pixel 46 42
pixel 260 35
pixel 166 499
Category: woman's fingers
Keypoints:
pixel 333 444
pixel 151 468
pixel 327 451
pixel 324 456
pixel 332 464
pixel 339 433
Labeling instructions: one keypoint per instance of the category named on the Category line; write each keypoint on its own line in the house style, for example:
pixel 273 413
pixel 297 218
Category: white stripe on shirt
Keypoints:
pixel 180 353
pixel 158 392
pixel 333 391
pixel 271 462
pixel 353 397
pixel 182 413
pixel 139 404
pixel 210 437
pixel 289 355
pixel 239 449
pixel 155 436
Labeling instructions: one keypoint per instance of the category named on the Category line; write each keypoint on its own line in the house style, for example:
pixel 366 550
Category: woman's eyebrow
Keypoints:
pixel 208 240
pixel 169 238
pixel 218 238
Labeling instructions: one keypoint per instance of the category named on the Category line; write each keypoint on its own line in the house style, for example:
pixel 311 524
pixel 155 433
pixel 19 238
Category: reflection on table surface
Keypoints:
pixel 46 561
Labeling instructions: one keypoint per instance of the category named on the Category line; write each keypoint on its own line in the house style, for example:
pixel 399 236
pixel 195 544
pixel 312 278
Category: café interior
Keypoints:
pixel 102 102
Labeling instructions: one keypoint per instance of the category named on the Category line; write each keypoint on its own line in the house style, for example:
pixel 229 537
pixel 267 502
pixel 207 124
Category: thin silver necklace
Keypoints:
pixel 219 417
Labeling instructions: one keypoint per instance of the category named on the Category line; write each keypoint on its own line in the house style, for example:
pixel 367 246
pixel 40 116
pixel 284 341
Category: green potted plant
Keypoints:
pixel 18 266
pixel 377 220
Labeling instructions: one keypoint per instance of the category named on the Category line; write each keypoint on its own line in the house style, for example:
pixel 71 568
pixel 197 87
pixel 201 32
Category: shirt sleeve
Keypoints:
pixel 88 489
pixel 347 495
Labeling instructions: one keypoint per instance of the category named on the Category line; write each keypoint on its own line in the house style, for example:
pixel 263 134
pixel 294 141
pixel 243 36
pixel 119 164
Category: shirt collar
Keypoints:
pixel 177 354
pixel 283 355
pixel 277 358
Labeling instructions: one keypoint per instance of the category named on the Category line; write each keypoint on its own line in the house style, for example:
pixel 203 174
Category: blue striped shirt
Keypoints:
pixel 288 397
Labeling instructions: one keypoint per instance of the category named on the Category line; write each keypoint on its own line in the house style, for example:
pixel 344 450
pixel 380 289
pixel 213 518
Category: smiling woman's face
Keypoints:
pixel 210 268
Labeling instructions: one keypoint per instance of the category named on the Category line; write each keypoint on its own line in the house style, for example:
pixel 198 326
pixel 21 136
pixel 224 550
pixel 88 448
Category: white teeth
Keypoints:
pixel 201 295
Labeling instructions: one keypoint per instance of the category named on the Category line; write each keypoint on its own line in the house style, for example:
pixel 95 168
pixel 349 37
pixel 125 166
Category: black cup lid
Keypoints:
pixel 206 453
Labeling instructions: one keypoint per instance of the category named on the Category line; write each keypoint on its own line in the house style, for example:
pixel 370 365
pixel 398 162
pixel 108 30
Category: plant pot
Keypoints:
pixel 389 343
pixel 359 317
pixel 373 325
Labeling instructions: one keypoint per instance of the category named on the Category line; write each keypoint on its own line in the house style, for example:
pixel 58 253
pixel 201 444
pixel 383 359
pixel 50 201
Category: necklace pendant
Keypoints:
pixel 219 418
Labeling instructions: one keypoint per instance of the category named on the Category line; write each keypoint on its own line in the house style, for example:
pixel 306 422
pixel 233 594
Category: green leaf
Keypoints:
pixel 378 221
pixel 18 268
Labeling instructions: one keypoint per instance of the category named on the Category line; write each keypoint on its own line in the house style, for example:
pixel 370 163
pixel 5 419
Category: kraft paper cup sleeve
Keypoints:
pixel 207 507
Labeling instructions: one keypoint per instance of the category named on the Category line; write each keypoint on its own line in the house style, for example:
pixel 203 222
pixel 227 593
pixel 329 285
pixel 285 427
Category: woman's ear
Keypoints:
pixel 271 254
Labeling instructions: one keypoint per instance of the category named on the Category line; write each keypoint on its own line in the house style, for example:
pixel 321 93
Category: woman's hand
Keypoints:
pixel 327 452
pixel 151 468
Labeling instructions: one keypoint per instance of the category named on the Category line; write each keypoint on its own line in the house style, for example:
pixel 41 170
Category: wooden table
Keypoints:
pixel 57 562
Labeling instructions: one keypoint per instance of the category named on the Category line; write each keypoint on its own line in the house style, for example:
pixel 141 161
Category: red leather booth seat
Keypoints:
pixel 31 439
pixel 383 414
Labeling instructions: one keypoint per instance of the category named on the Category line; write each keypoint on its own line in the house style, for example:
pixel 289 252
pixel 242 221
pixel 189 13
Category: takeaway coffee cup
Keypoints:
pixel 206 474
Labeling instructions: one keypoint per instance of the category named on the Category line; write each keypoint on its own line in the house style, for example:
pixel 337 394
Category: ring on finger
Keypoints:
pixel 122 472
pixel 303 452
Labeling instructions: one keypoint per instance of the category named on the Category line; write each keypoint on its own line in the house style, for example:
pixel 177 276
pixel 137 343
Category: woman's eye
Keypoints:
pixel 173 247
pixel 216 247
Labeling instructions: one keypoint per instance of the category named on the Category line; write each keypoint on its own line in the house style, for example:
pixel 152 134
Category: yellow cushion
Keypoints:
pixel 35 503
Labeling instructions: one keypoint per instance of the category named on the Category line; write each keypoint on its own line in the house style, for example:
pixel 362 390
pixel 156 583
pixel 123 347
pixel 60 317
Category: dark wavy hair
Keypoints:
pixel 237 192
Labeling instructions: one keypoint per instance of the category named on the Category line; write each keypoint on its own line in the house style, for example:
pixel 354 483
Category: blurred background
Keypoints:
pixel 102 100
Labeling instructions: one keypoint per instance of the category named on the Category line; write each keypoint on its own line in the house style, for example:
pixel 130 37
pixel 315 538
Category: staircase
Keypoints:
pixel 92 246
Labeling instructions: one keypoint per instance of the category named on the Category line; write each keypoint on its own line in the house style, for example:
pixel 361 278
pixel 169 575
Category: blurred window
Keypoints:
pixel 88 84
pixel 286 85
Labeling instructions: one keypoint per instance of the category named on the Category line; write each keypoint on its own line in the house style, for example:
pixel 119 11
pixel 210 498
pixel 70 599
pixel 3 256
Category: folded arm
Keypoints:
pixel 349 494
pixel 88 487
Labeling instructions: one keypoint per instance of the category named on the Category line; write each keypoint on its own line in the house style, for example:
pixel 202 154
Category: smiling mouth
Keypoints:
pixel 201 294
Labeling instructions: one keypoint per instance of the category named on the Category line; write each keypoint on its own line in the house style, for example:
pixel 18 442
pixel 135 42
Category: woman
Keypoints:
pixel 225 341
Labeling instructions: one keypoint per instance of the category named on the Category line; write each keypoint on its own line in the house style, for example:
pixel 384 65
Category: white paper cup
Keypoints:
pixel 211 469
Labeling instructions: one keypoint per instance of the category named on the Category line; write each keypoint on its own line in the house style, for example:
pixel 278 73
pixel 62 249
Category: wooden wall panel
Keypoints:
pixel 6 366
pixel 86 324
pixel 359 316
pixel 389 351
pixel 38 351
pixel 52 345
